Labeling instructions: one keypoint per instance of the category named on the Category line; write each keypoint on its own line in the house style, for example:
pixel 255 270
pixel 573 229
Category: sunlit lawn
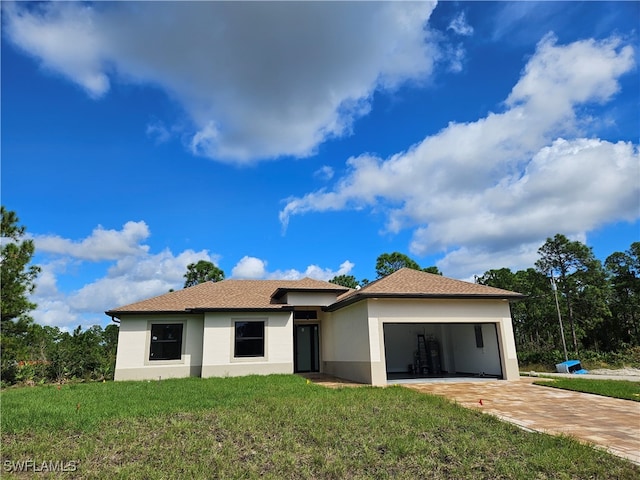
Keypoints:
pixel 608 388
pixel 277 427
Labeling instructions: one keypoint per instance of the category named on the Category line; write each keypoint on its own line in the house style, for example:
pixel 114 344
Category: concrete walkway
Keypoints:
pixel 608 423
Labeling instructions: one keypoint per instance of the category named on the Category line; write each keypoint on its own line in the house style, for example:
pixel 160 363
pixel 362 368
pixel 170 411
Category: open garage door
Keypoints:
pixel 442 350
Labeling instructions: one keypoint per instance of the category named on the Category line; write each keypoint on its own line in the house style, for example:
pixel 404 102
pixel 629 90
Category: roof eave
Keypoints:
pixel 282 308
pixel 454 296
pixel 118 313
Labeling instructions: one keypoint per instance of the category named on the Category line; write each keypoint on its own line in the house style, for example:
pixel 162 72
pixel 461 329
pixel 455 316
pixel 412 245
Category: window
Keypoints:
pixel 249 339
pixel 305 315
pixel 166 341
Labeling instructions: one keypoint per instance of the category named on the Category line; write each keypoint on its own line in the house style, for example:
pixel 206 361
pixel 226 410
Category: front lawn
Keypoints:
pixel 277 427
pixel 608 388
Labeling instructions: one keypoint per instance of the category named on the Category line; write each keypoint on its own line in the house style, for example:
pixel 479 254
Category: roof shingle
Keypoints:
pixel 407 282
pixel 267 294
pixel 227 294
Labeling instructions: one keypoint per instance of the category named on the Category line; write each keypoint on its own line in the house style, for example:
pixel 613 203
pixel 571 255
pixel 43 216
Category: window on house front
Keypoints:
pixel 249 339
pixel 166 341
pixel 305 315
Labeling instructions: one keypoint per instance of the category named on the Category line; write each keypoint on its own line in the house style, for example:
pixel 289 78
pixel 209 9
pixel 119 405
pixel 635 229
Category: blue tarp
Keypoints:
pixel 571 366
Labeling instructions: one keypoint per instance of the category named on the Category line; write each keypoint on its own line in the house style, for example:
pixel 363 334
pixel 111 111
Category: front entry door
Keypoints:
pixel 306 351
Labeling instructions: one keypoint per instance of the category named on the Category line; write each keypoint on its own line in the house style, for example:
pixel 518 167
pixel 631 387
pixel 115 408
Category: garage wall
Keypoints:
pixel 439 310
pixel 468 357
pixel 346 349
pixel 134 338
pixel 218 345
pixel 401 341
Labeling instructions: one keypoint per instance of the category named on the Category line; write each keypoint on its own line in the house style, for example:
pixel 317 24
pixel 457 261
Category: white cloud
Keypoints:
pixel 509 179
pixel 325 172
pixel 456 57
pixel 313 271
pixel 100 245
pixel 64 38
pixel 460 26
pixel 249 267
pixel 255 268
pixel 159 132
pixel 257 79
pixel 133 274
pixel 466 262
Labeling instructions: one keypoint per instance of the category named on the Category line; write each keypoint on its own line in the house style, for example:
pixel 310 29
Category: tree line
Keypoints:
pixel 598 302
pixel 33 353
pixel 567 284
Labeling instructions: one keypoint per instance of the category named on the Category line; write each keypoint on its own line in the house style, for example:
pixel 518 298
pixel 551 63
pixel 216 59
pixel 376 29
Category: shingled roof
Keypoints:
pixel 228 295
pixel 259 295
pixel 409 283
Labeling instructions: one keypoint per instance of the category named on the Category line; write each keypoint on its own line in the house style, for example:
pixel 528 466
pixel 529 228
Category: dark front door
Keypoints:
pixel 306 351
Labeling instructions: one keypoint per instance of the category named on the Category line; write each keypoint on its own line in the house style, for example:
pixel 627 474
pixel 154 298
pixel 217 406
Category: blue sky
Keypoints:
pixel 283 140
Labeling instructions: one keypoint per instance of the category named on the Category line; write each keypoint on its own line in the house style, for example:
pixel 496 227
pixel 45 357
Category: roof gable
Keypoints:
pixel 409 283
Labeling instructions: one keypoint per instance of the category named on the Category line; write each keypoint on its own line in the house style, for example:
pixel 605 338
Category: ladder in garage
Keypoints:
pixel 423 362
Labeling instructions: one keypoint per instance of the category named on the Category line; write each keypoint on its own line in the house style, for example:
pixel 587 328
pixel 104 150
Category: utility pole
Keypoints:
pixel 555 295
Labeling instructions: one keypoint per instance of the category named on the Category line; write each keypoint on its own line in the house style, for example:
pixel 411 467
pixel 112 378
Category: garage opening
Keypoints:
pixel 442 350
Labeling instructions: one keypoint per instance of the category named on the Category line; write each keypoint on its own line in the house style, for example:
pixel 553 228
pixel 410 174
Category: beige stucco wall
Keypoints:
pixel 218 344
pixel 310 298
pixel 346 349
pixel 134 337
pixel 352 340
pixel 468 357
pixel 439 310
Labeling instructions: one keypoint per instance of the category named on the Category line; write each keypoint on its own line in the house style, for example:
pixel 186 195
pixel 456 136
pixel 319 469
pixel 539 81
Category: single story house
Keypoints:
pixel 408 324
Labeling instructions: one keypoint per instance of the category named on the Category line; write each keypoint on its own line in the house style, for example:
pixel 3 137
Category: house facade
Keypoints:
pixel 410 324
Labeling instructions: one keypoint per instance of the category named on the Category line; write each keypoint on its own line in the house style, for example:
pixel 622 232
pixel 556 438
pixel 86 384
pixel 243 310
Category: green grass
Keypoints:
pixel 608 388
pixel 278 427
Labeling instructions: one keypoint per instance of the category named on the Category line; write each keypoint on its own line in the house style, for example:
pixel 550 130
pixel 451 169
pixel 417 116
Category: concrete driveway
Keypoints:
pixel 608 423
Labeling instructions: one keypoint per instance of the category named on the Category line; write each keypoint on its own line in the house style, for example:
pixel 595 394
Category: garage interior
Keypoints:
pixel 441 350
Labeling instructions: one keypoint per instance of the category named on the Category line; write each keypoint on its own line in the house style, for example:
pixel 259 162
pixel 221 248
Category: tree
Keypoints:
pixel 433 269
pixel 18 278
pixel 535 324
pixel 623 270
pixel 53 355
pixel 17 281
pixel 387 263
pixel 201 272
pixel 572 262
pixel 348 281
pixel 536 316
pixel 502 278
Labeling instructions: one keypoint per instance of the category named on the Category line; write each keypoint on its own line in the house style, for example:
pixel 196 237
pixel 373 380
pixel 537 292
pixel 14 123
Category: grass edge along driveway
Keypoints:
pixel 622 389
